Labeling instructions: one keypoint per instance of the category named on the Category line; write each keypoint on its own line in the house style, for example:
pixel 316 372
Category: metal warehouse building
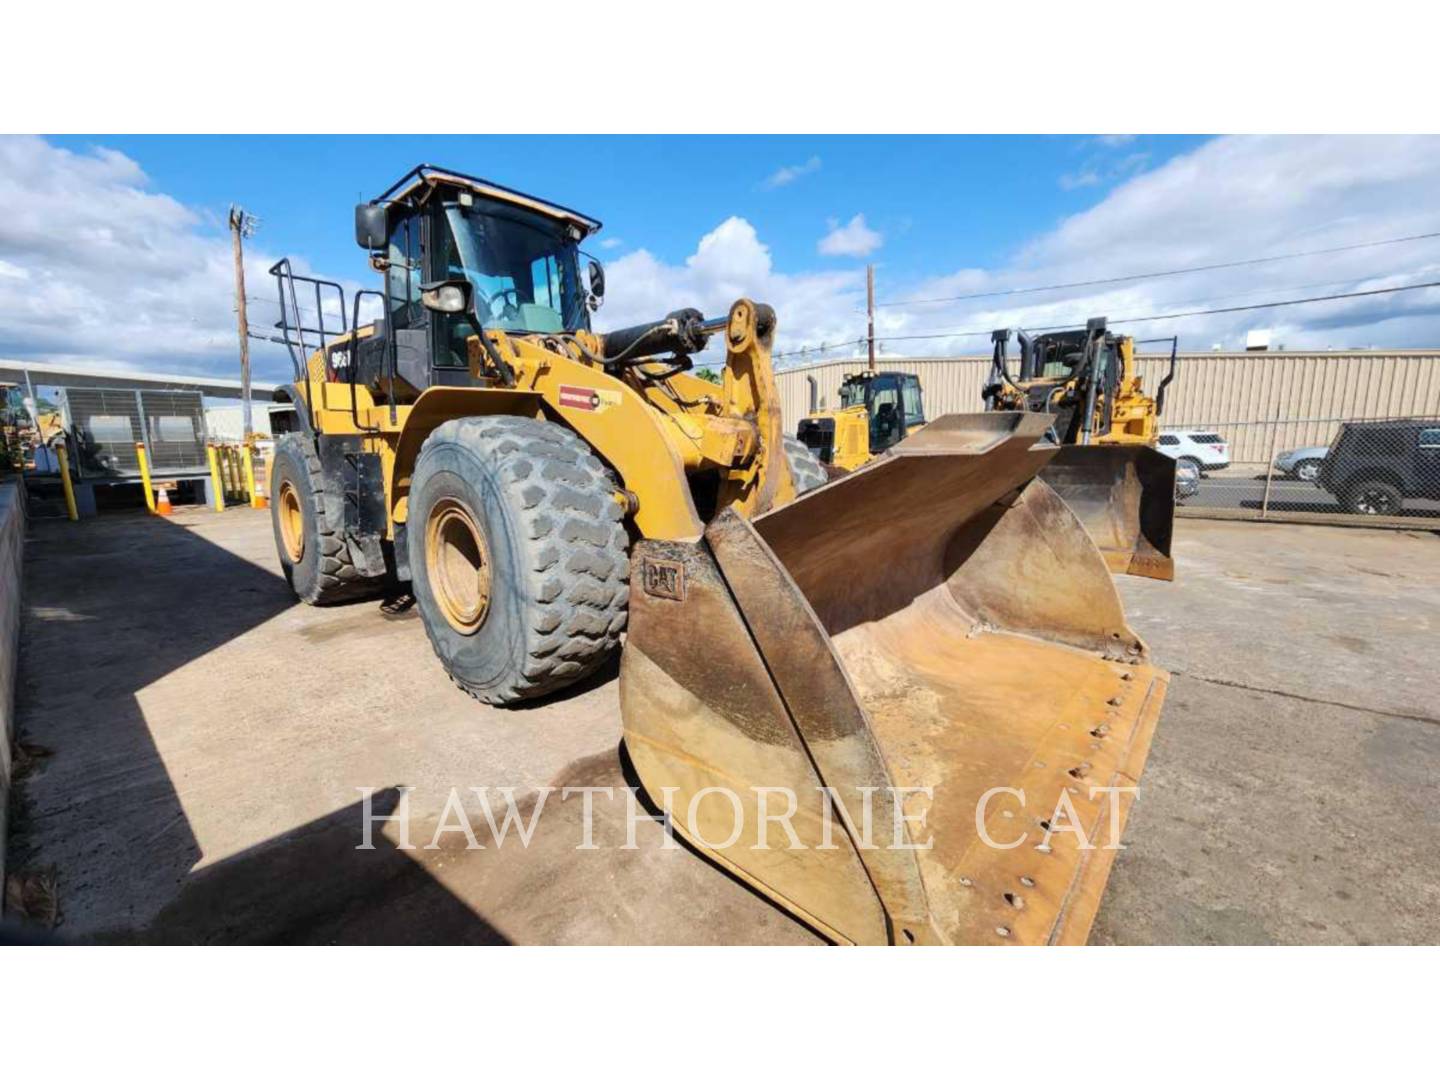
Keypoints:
pixel 1258 400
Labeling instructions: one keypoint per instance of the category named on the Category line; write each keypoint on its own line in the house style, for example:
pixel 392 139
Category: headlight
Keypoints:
pixel 448 297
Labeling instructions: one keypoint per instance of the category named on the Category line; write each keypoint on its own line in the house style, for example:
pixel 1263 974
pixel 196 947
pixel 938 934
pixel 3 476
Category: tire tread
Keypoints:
pixel 572 543
pixel 337 579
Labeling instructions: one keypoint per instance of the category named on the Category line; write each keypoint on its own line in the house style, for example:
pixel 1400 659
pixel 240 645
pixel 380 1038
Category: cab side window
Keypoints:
pixel 405 273
pixel 914 410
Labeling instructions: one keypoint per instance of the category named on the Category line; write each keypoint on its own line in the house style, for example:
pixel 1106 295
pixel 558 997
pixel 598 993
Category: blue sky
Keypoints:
pixel 114 248
pixel 938 201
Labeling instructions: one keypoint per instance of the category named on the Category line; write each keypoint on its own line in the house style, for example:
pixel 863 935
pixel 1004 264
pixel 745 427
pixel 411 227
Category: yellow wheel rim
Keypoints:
pixel 457 565
pixel 292 522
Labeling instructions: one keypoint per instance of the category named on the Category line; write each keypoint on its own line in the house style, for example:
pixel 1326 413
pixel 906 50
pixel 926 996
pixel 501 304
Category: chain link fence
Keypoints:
pixel 1371 471
pixel 1339 437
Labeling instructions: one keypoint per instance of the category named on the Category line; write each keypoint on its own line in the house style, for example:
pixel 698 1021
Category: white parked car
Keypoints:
pixel 1207 449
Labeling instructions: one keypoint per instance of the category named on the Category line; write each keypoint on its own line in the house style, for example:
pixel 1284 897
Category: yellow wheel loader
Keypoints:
pixel 1088 385
pixel 890 649
pixel 877 410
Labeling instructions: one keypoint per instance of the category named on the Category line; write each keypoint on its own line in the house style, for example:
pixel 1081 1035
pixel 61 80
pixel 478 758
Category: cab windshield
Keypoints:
pixel 523 266
pixel 852 394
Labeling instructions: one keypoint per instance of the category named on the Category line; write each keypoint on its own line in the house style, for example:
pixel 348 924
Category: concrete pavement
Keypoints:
pixel 211 739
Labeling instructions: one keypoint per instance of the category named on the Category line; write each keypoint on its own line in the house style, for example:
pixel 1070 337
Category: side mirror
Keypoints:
pixel 370 226
pixel 597 280
pixel 451 297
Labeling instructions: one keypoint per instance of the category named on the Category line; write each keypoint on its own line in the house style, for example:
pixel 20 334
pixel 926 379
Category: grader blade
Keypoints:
pixel 889 704
pixel 1125 498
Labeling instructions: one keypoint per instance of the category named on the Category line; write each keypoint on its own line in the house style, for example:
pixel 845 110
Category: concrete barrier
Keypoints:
pixel 12 545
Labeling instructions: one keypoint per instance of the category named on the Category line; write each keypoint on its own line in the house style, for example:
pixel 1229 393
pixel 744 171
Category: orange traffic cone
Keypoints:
pixel 162 503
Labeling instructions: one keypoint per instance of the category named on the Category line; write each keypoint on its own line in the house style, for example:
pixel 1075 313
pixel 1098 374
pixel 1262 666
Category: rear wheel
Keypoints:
pixel 313 553
pixel 1373 497
pixel 1195 461
pixel 807 472
pixel 518 555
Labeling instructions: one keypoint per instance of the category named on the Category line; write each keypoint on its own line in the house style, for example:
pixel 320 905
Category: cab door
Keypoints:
pixel 887 412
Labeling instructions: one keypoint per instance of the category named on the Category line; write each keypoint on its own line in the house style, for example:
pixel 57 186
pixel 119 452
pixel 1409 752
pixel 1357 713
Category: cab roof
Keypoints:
pixel 432 175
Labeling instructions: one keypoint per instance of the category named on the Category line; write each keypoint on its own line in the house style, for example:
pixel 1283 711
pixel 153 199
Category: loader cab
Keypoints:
pixel 892 402
pixel 489 259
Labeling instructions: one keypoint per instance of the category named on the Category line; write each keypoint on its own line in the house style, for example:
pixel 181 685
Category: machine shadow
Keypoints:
pixel 315 885
pixel 110 607
pixel 1292 506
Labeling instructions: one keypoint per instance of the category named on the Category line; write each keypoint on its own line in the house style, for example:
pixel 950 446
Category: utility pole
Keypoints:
pixel 870 311
pixel 241 226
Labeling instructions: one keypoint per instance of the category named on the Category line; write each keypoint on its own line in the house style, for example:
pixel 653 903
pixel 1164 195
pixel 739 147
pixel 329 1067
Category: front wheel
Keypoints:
pixel 1308 471
pixel 518 556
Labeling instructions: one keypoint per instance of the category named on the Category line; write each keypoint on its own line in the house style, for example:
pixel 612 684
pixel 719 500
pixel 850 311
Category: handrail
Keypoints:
pixel 293 335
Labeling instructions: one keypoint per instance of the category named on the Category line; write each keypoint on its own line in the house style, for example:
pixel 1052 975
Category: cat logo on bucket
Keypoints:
pixel 587 399
pixel 665 578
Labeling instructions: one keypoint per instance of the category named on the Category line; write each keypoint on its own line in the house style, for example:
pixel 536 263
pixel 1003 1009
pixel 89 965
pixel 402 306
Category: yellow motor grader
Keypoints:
pixel 930 647
pixel 1087 383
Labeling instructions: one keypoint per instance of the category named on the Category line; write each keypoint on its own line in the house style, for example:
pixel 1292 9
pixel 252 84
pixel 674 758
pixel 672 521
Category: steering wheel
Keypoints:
pixel 506 308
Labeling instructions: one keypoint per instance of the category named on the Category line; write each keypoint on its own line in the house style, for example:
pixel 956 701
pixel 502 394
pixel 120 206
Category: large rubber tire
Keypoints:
pixel 558 567
pixel 324 572
pixel 1374 497
pixel 807 472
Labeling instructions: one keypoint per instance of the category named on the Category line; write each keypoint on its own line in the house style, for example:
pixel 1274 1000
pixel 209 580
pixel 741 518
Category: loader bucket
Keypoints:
pixel 1125 498
pixel 928 656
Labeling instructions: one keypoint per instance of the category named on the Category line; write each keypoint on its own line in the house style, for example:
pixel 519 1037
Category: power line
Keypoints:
pixel 1190 314
pixel 1162 273
pixel 1135 318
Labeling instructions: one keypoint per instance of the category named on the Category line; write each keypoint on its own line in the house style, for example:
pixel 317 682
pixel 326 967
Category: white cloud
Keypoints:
pixel 96 265
pixel 1104 169
pixel 1230 199
pixel 788 174
pixel 1114 140
pixel 853 238
pixel 730 262
pixel 610 243
pixel 1083 178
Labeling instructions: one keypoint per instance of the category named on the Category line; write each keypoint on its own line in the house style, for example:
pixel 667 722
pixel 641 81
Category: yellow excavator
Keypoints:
pixel 928 655
pixel 1087 384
